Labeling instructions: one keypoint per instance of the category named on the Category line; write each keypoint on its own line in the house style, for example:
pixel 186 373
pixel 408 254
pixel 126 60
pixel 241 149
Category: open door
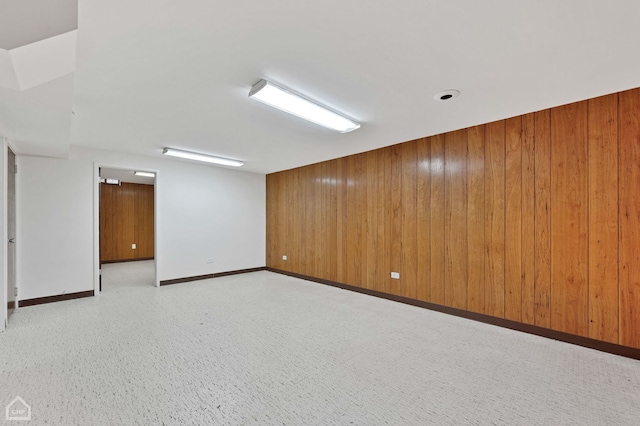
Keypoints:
pixel 11 232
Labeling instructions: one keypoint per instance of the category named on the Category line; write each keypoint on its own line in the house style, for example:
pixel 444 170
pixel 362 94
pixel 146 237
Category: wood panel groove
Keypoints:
pixel 603 218
pixel 629 218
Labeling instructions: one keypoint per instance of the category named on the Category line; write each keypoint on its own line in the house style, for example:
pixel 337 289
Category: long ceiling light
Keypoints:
pixel 201 157
pixel 288 101
pixel 145 174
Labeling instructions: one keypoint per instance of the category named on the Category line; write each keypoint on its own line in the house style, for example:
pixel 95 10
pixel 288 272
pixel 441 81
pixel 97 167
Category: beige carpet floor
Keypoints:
pixel 266 349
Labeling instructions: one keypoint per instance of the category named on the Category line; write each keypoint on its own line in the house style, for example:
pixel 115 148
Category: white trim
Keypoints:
pixel 3 231
pixel 96 220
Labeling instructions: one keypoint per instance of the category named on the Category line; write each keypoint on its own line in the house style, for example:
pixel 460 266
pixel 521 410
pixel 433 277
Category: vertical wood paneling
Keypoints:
pixel 125 206
pixel 475 219
pixel 332 220
pixel 126 218
pixel 542 309
pixel 310 231
pixel 629 104
pixel 394 234
pixel 302 243
pixel 282 220
pixel 271 234
pixel 494 218
pixel 353 241
pixel 535 219
pixel 351 272
pixel 528 220
pixel 409 177
pixel 312 219
pixel 513 220
pixel 373 245
pixel 437 219
pixel 356 219
pixel 603 218
pixel 384 205
pixel 456 259
pixel 569 311
pixel 299 243
pixel 293 246
pixel 107 232
pixel 144 222
pixel 423 215
pixel 340 220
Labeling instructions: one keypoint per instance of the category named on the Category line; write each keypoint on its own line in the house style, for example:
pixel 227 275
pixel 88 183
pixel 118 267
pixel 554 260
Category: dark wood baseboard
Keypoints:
pixel 207 276
pixel 104 262
pixel 586 342
pixel 51 299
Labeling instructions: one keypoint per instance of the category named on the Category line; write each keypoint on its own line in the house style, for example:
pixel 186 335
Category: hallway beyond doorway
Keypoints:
pixel 122 276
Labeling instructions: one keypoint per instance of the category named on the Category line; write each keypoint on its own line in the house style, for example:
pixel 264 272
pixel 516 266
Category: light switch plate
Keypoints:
pixel 133 246
pixel 395 275
pixel 284 257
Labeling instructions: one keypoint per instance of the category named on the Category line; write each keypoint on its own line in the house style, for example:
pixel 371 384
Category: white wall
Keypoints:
pixel 204 212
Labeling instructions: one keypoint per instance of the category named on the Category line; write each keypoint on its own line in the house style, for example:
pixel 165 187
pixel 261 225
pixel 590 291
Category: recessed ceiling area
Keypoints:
pixel 125 176
pixel 151 74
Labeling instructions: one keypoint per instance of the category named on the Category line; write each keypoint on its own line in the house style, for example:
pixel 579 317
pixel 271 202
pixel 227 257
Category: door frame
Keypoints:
pixel 4 229
pixel 4 276
pixel 96 220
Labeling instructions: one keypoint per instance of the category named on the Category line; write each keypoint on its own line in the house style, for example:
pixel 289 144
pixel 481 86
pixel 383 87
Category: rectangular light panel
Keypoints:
pixel 285 100
pixel 201 157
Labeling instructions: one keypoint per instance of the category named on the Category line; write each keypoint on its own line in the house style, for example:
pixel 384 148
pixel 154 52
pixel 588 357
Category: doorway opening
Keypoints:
pixel 125 228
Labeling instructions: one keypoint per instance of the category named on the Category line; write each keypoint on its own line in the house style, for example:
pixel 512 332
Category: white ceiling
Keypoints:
pixel 151 74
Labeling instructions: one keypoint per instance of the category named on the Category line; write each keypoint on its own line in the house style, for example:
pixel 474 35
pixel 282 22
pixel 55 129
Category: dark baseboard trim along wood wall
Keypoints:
pixel 51 299
pixel 586 342
pixel 104 262
pixel 208 276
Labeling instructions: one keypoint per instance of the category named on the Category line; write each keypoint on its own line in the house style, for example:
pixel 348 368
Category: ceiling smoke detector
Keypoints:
pixel 446 95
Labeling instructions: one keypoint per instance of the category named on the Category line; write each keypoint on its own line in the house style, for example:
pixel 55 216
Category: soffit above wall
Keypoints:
pixel 24 22
pixel 37 62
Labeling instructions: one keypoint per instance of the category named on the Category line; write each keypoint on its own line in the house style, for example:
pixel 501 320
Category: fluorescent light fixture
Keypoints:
pixel 201 157
pixel 288 101
pixel 145 174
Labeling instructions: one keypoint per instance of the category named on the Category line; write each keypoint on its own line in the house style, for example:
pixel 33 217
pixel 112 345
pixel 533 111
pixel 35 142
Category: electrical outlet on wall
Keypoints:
pixel 133 246
pixel 284 257
pixel 395 275
pixel 210 260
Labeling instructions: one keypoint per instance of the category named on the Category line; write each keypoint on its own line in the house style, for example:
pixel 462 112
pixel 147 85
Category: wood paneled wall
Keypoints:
pixel 126 218
pixel 535 219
